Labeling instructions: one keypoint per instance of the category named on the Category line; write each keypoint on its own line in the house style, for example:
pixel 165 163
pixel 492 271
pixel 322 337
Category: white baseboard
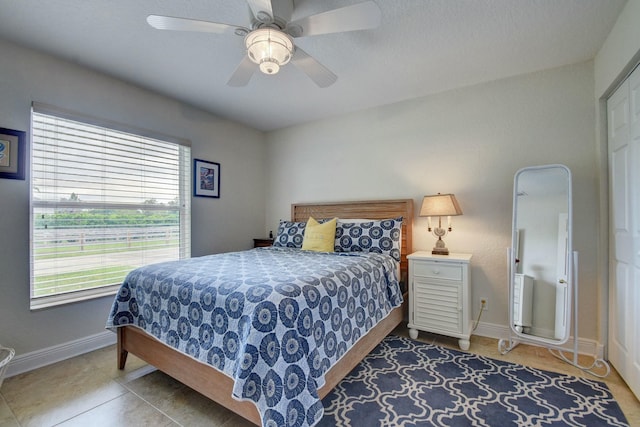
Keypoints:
pixel 27 362
pixel 46 356
pixel 585 346
pixel 491 330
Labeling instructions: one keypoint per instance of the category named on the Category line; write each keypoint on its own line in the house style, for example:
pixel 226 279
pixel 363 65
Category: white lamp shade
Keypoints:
pixel 269 48
pixel 440 205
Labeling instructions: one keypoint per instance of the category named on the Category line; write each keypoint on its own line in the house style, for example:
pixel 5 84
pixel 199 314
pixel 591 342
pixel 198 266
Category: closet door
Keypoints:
pixel 623 109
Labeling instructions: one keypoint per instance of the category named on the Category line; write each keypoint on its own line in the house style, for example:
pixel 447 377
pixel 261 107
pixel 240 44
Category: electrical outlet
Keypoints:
pixel 484 303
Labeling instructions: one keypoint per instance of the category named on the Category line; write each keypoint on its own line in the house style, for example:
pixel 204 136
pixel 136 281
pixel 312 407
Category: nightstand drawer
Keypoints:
pixel 437 270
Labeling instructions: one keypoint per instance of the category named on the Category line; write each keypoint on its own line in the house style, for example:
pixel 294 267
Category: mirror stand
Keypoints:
pixel 542 266
pixel 599 367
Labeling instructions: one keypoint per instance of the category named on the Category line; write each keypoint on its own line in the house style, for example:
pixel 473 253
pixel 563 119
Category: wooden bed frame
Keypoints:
pixel 216 385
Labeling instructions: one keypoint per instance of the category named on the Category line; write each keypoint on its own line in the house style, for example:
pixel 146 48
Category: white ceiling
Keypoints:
pixel 421 47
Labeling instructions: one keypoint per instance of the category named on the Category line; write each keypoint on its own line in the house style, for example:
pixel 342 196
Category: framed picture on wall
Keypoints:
pixel 12 153
pixel 206 178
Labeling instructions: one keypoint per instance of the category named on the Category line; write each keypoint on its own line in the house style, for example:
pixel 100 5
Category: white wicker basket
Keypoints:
pixel 6 354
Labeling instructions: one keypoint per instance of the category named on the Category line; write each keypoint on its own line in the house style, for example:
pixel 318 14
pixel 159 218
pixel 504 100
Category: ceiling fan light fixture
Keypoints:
pixel 269 48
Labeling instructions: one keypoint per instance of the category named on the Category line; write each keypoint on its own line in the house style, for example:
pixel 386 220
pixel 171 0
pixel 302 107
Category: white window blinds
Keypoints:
pixel 103 202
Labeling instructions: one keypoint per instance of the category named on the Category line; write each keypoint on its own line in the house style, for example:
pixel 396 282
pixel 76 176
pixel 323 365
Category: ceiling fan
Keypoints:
pixel 269 40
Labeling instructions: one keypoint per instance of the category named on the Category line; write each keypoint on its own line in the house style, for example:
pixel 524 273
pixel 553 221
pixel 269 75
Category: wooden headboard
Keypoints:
pixel 371 209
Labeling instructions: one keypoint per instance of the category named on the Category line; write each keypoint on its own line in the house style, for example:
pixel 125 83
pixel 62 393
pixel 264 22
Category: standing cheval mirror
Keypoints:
pixel 542 266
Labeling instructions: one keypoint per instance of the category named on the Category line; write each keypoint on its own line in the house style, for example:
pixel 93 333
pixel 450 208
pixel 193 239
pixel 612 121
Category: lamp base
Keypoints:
pixel 440 248
pixel 440 251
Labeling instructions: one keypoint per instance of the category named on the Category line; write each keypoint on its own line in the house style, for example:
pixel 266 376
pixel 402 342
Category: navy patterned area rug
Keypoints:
pixel 409 383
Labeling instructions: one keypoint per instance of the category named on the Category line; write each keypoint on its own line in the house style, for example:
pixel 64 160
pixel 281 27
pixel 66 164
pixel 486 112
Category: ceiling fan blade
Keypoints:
pixel 243 73
pixel 360 16
pixel 184 24
pixel 317 72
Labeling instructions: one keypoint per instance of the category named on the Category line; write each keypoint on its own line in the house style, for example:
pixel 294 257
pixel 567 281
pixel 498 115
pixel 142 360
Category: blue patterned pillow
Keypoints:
pixel 381 236
pixel 290 234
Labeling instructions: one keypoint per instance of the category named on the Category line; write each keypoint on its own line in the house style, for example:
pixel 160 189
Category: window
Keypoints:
pixel 104 200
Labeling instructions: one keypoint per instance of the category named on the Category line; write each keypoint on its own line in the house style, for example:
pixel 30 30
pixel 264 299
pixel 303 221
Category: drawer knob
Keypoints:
pixel 436 271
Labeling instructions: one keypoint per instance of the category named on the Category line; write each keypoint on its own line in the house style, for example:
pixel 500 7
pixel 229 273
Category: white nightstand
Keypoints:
pixel 440 296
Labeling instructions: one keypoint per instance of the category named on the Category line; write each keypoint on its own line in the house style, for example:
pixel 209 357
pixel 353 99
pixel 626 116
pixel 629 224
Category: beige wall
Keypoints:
pixel 620 51
pixel 218 225
pixel 469 142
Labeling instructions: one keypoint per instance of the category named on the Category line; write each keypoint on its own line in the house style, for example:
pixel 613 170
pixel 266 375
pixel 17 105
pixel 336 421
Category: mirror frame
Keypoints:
pixel 512 266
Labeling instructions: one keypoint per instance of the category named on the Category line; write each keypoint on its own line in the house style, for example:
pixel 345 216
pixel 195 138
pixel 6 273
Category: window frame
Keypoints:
pixel 185 172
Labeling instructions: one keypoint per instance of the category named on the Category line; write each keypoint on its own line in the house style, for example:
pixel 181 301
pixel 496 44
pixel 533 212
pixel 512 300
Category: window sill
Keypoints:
pixel 39 303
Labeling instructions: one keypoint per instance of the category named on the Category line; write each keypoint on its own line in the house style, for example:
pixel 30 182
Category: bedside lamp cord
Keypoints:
pixel 478 319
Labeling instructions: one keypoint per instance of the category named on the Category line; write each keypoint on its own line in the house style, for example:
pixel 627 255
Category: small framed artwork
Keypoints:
pixel 12 153
pixel 206 178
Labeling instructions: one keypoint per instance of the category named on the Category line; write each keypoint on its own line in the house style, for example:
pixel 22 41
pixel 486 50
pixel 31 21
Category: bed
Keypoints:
pixel 219 386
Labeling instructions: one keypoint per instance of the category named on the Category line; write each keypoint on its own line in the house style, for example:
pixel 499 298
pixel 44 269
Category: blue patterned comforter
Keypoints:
pixel 273 319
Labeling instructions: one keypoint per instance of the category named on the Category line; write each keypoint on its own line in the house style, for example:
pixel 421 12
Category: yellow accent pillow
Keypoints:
pixel 319 237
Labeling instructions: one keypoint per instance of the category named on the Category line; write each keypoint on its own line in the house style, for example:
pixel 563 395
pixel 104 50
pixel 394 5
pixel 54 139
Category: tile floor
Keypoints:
pixel 90 390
